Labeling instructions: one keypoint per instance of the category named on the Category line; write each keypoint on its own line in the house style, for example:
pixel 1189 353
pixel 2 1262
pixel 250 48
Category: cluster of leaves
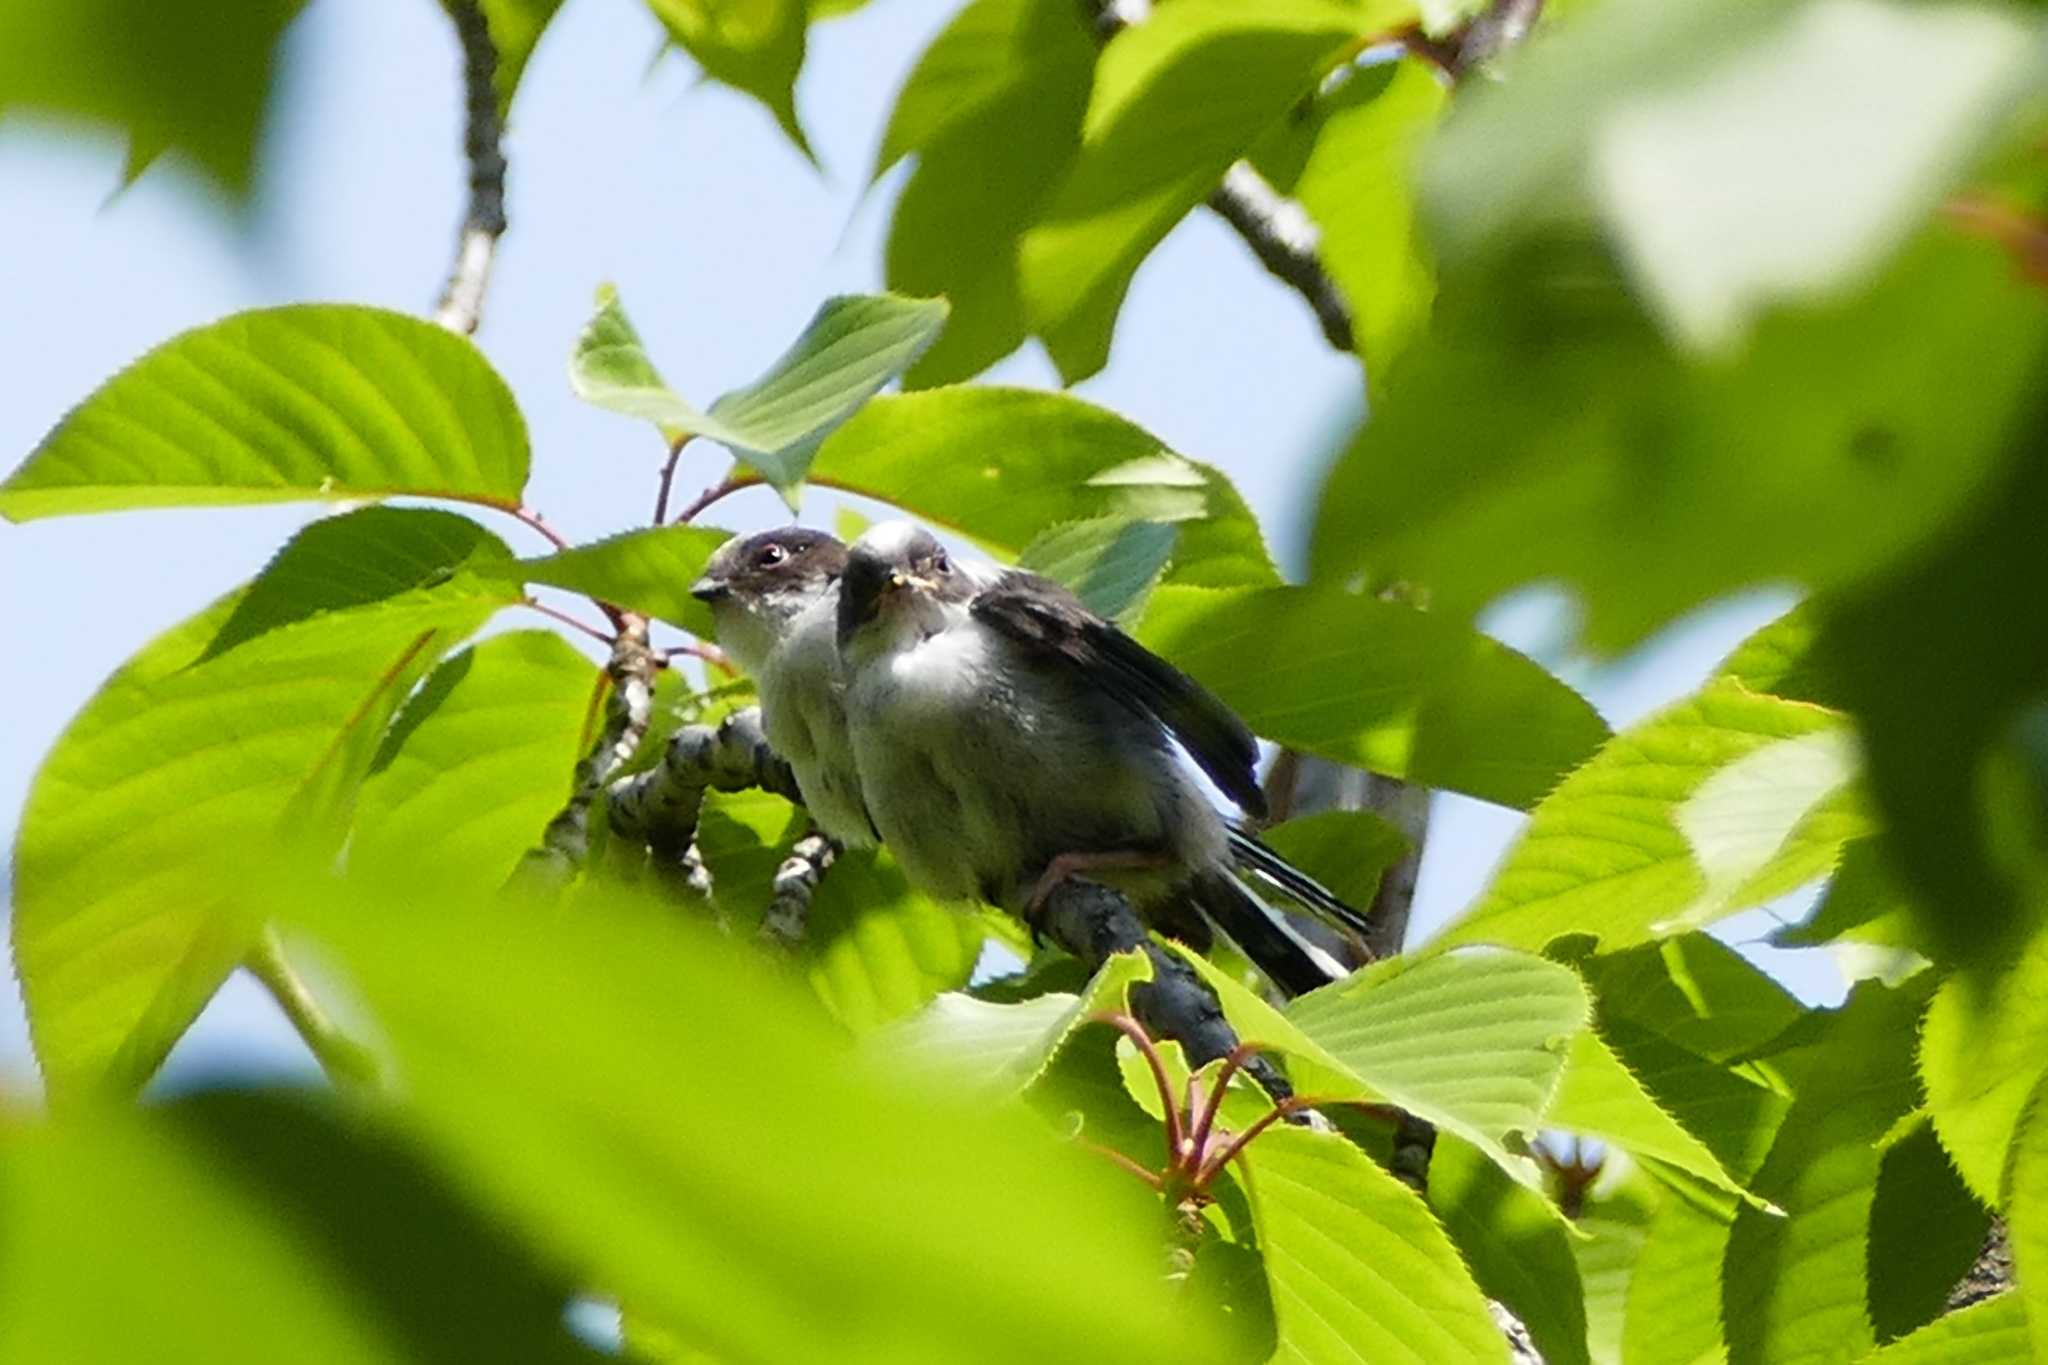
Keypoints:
pixel 1592 376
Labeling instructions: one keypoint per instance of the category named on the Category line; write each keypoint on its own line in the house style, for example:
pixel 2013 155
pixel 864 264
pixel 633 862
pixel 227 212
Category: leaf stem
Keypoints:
pixel 566 619
pixel 731 483
pixel 1176 1135
pixel 346 1062
pixel 539 523
pixel 668 477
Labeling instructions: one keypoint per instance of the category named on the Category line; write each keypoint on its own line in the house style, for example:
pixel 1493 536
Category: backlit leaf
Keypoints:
pixel 311 401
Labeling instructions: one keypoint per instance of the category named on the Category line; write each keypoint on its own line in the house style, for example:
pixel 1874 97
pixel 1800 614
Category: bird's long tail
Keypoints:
pixel 1260 861
pixel 1294 966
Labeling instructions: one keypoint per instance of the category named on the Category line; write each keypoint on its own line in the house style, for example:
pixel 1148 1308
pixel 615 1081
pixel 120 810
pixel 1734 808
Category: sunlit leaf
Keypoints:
pixel 1360 1271
pixel 164 73
pixel 122 928
pixel 1110 563
pixel 1381 685
pixel 1673 1309
pixel 646 571
pixel 756 46
pixel 1001 465
pixel 251 1228
pixel 2026 1201
pixel 1991 1331
pixel 1695 991
pixel 1839 438
pixel 1517 1244
pixel 1981 1054
pixel 479 760
pixel 1599 1097
pixel 1714 804
pixel 312 401
pixel 610 368
pixel 1006 83
pixel 632 1138
pixel 1176 100
pixel 1513 1017
pixel 1796 1283
pixel 877 950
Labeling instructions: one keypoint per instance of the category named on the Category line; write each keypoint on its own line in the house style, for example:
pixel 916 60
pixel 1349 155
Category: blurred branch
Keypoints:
pixel 1487 34
pixel 1277 229
pixel 632 666
pixel 462 302
pixel 345 1061
pixel 1991 1274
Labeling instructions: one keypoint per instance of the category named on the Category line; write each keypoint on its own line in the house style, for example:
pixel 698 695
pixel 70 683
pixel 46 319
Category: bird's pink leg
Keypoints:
pixel 1072 864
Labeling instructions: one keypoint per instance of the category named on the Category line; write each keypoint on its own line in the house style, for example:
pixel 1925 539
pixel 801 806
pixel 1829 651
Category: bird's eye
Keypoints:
pixel 770 555
pixel 940 564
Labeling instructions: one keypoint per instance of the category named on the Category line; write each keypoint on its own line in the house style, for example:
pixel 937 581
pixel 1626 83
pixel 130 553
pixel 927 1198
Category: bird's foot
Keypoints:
pixel 1068 865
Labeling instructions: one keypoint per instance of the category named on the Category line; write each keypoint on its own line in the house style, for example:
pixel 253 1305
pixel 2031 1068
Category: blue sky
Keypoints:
pixel 722 242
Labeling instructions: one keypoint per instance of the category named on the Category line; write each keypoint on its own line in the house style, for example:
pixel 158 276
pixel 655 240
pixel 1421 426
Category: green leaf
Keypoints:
pixel 1639 111
pixel 1714 804
pixel 1779 658
pixel 166 74
pixel 1673 1313
pixel 1795 1286
pixel 515 27
pixel 1176 100
pixel 1518 1246
pixel 1000 465
pixel 313 401
pixel 1612 1225
pixel 1380 685
pixel 478 762
pixel 1360 1271
pixel 1926 1229
pixel 1862 904
pixel 1598 1096
pixel 647 571
pixel 1733 1112
pixel 876 950
pixel 251 1228
pixel 369 557
pixel 1110 563
pixel 1513 1017
pixel 1694 991
pixel 688 1134
pixel 976 1043
pixel 1991 1331
pixel 850 349
pixel 2026 1202
pixel 854 345
pixel 1840 439
pixel 1345 850
pixel 1372 243
pixel 182 763
pixel 1006 83
pixel 1942 680
pixel 754 46
pixel 610 368
pixel 1982 1053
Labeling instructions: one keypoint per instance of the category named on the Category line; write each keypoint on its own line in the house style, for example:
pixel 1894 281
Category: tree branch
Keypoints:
pixel 1286 240
pixel 566 842
pixel 462 302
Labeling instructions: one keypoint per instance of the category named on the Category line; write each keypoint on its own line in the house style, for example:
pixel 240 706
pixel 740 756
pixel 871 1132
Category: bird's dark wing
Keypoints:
pixel 1053 624
pixel 1254 857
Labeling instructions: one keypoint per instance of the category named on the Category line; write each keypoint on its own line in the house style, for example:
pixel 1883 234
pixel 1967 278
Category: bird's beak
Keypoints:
pixel 709 589
pixel 896 582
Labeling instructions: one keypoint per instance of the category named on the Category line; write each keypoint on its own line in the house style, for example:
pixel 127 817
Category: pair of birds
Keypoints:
pixel 1000 737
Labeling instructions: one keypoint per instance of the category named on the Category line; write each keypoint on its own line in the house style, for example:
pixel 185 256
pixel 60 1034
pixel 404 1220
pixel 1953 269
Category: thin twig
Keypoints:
pixel 566 619
pixel 710 655
pixel 462 302
pixel 668 477
pixel 539 523
pixel 731 483
pixel 1287 242
pixel 346 1062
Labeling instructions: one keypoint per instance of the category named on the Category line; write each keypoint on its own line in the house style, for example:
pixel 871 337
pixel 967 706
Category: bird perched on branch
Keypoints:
pixel 1007 738
pixel 774 597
